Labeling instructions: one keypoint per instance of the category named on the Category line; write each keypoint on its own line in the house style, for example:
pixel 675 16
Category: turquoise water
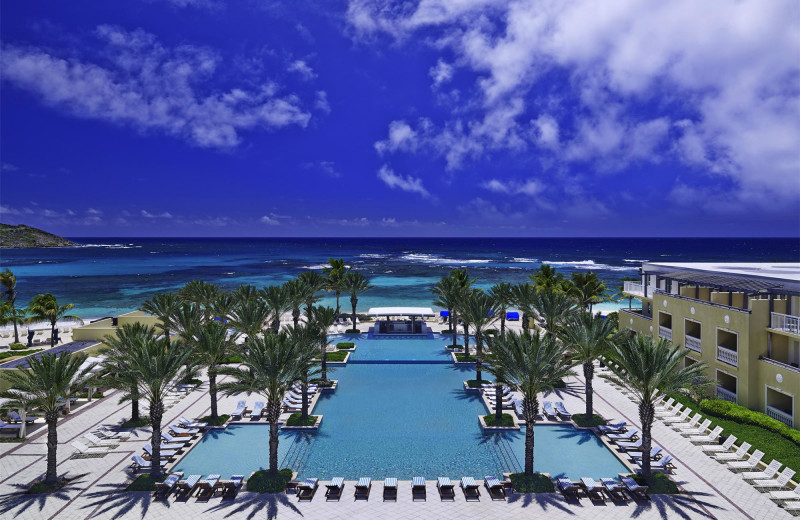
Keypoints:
pixel 394 349
pixel 401 420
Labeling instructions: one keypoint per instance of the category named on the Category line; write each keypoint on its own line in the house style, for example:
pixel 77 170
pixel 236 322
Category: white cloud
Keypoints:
pixel 92 211
pixel 546 131
pixel 405 183
pixel 302 69
pixel 269 221
pixel 529 187
pixel 321 101
pixel 147 214
pixel 441 73
pixel 8 167
pixel 151 87
pixel 401 137
pixel 8 210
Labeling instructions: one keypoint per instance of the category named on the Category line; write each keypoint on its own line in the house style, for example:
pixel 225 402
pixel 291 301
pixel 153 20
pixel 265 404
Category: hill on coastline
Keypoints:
pixel 25 236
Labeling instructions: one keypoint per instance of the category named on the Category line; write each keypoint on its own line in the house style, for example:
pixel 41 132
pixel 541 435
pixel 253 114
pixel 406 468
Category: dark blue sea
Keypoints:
pixel 110 276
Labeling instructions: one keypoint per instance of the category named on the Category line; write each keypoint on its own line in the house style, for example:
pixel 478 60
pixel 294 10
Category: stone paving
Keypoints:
pixel 96 491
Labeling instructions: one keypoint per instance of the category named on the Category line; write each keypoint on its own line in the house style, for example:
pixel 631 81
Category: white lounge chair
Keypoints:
pixel 186 486
pixel 700 430
pixel 333 490
pixel 183 441
pixel 739 454
pixel 670 412
pixel 594 490
pixel 750 463
pixel 548 409
pixel 663 464
pixel 86 451
pixel 617 427
pixel 778 483
pixel 419 490
pixel 241 406
pixel 567 487
pixel 768 472
pixel 108 433
pixel 97 441
pixel 707 439
pixel 258 408
pixel 628 445
pixel 140 463
pixel 785 495
pixel 362 488
pixel 665 406
pixel 634 488
pixel 719 448
pixel 614 489
pixel 627 436
pixel 186 423
pixel 681 417
pixel 205 488
pixel 445 487
pixel 180 431
pixel 655 451
pixel 687 425
pixel 471 488
pixel 390 489
pixel 164 454
pixel 306 489
pixel 163 489
pixel 562 411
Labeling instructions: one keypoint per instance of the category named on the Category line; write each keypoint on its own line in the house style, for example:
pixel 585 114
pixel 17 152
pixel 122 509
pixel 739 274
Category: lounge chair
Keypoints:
pixel 108 433
pixel 419 490
pixel 363 487
pixel 655 453
pixel 693 422
pixel 494 487
pixel 663 464
pixel 785 495
pixel 163 489
pixel 9 427
pixel 390 489
pixel 140 463
pixel 634 488
pixel 205 488
pixel 185 487
pixel 241 407
pixel 165 436
pixel 594 490
pixel 791 507
pixel 186 423
pixel 567 487
pixel 677 418
pixel 445 487
pixel 719 448
pixel 97 441
pixel 627 436
pixel 666 406
pixel 739 454
pixel 258 408
pixel 630 445
pixel 614 489
pixel 750 463
pixel 307 488
pixel 707 439
pixel 164 454
pixel 87 451
pixel 548 409
pixel 229 487
pixel 180 431
pixel 562 411
pixel 334 489
pixel 291 407
pixel 668 412
pixel 617 427
pixel 15 418
pixel 471 489
pixel 519 408
pixel 768 472
pixel 777 483
pixel 700 430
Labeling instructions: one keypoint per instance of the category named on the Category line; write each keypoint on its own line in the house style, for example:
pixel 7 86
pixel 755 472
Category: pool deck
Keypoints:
pixel 97 489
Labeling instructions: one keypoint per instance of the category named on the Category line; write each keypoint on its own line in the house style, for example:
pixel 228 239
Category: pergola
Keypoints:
pixel 411 312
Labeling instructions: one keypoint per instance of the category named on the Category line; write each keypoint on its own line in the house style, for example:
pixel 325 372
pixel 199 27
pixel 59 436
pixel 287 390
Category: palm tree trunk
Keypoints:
pixel 134 405
pixel 478 352
pixel 337 304
pixel 530 406
pixel 52 447
pixel 212 390
pixel 304 406
pixel 16 332
pixel 646 415
pixel 166 335
pixel 354 302
pixel 308 312
pixel 630 302
pixel 588 374
pixel 454 328
pixel 274 413
pixel 52 335
pixel 156 412
pixel 498 397
pixel 503 323
pixel 466 341
pixel 296 316
pixel 324 371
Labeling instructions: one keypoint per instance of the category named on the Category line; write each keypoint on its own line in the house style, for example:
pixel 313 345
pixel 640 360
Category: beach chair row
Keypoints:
pixel 549 409
pixel 607 487
pixel 445 487
pixel 202 488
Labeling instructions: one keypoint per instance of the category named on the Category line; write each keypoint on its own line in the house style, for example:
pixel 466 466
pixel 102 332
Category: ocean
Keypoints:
pixel 110 276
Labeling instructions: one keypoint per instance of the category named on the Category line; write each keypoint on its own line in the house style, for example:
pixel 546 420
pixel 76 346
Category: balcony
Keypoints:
pixel 785 323
pixel 726 395
pixel 693 343
pixel 637 289
pixel 728 356
pixel 781 416
pixel 780 364
pixel 665 332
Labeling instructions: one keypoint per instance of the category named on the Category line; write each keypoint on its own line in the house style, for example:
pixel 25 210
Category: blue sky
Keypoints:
pixel 380 118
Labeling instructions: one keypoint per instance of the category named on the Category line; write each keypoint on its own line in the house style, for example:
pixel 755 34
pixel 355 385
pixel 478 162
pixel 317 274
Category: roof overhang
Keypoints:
pixel 401 311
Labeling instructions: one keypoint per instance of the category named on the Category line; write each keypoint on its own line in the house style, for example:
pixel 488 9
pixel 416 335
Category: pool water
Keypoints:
pixel 402 420
pixel 398 349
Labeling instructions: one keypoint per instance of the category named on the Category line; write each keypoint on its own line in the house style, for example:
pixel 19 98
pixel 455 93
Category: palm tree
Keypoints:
pixel 503 299
pixel 294 294
pixel 323 319
pixel 587 289
pixel 277 300
pixel 123 340
pixel 307 340
pixel 14 315
pixel 621 288
pixel 531 364
pixel 312 283
pixel 202 294
pixel 222 305
pixel 155 365
pixel 246 292
pixel 478 309
pixel 211 347
pixel 446 292
pixel 651 367
pixel 270 366
pixel 588 338
pixel 249 315
pixel 45 307
pixel 523 296
pixel 355 283
pixel 8 282
pixel 546 277
pixel 335 274
pixel 555 308
pixel 188 320
pixel 163 306
pixel 49 380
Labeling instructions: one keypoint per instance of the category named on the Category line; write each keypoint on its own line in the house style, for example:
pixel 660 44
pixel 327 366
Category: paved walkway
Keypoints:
pixel 97 488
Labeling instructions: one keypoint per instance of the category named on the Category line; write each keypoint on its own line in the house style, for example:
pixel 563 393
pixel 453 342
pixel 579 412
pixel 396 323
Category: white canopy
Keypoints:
pixel 401 311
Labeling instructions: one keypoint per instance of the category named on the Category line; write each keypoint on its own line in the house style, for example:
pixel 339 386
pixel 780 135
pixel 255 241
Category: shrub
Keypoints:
pixel 335 357
pixel 41 487
pixel 143 483
pixel 16 353
pixel 219 421
pixel 17 346
pixel 474 383
pixel 491 420
pixel 560 384
pixel 262 482
pixel 296 420
pixel 581 420
pixel 141 421
pixel 659 484
pixel 735 412
pixel 231 360
pixel 538 483
pixel 344 345
pixel 461 358
pixel 323 383
pixel 492 332
pixel 352 331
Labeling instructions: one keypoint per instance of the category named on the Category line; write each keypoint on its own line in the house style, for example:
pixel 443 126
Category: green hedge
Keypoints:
pixel 538 483
pixel 580 420
pixel 296 420
pixel 17 346
pixel 335 357
pixel 735 412
pixel 16 353
pixel 231 360
pixel 344 345
pixel 262 482
pixel 491 420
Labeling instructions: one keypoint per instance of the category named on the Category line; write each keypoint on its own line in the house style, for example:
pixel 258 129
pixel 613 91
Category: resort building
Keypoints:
pixel 99 329
pixel 742 319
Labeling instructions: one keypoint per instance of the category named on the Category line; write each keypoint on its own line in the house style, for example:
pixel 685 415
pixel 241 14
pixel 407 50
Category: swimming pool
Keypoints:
pixel 401 420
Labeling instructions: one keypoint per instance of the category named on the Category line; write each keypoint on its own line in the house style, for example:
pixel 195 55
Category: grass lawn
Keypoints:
pixel 538 483
pixel 41 487
pixel 295 420
pixel 462 359
pixel 474 383
pixel 491 420
pixel 334 357
pixel 581 420
pixel 774 445
pixel 141 421
pixel 345 345
pixel 659 484
pixel 219 421
pixel 144 483
pixel 263 482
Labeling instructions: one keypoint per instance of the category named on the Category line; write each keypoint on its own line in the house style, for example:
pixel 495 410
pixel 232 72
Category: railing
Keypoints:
pixel 780 364
pixel 727 355
pixel 665 332
pixel 726 395
pixel 781 416
pixel 651 290
pixel 693 343
pixel 633 288
pixel 785 322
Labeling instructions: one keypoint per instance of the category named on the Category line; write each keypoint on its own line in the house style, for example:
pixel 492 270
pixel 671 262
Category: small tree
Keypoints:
pixel 45 307
pixel 503 298
pixel 323 318
pixel 8 282
pixel 335 278
pixel 479 310
pixel 312 284
pixel 306 340
pixel 115 373
pixel 165 307
pixel 202 294
pixel 212 346
pixel 587 289
pixel 355 283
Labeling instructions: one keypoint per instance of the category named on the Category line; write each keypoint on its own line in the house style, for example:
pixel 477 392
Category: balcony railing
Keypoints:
pixel 633 288
pixel 693 343
pixel 785 322
pixel 665 332
pixel 726 395
pixel 728 356
pixel 785 366
pixel 782 416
